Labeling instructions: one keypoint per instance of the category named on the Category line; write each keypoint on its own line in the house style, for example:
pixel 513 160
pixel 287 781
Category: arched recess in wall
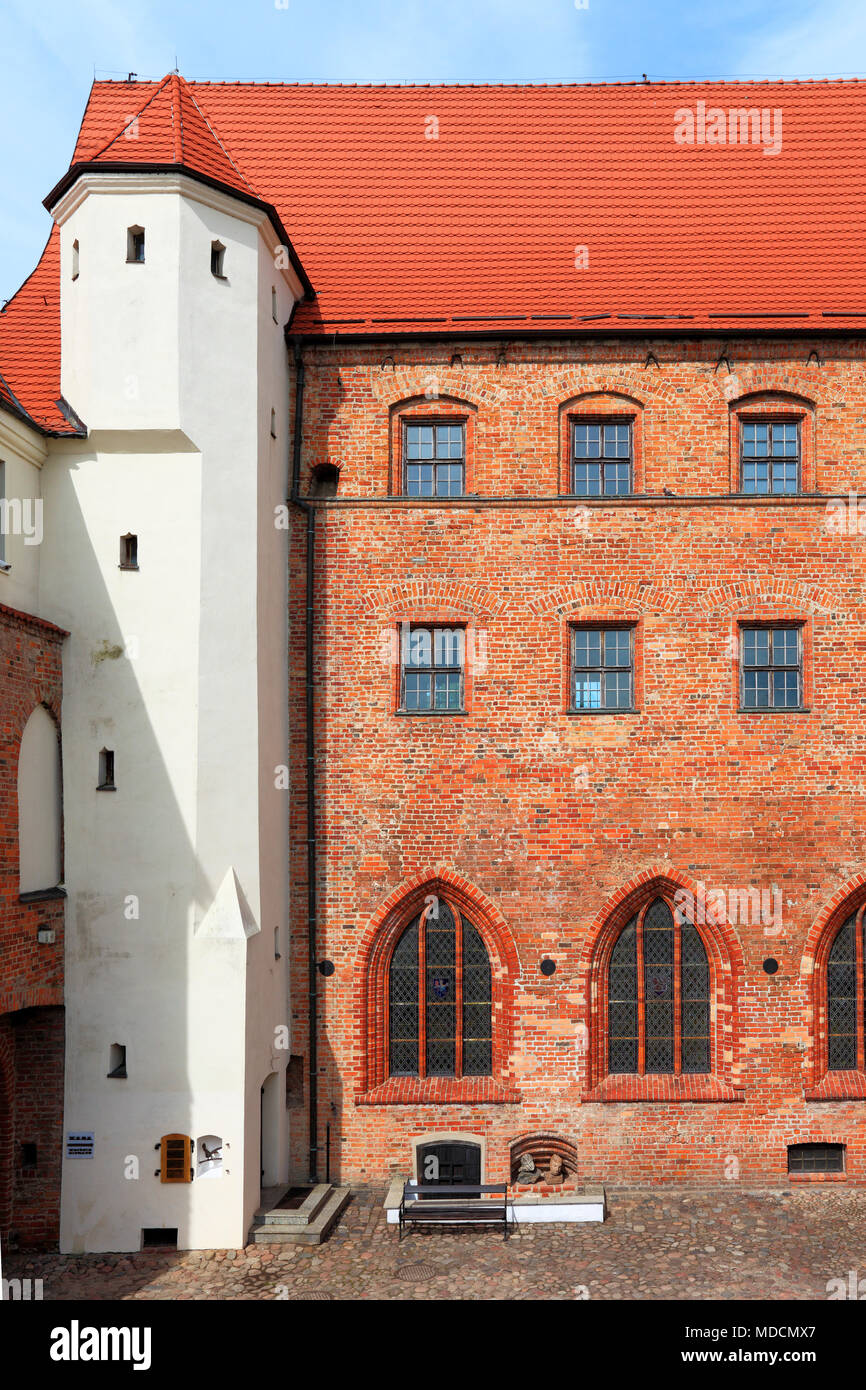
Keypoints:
pixel 40 843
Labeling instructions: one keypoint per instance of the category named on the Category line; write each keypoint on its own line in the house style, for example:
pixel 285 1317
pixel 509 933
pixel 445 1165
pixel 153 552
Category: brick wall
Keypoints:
pixel 31 974
pixel 553 825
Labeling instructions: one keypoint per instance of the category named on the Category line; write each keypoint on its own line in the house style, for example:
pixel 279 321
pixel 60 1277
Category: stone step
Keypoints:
pixel 300 1216
pixel 263 1233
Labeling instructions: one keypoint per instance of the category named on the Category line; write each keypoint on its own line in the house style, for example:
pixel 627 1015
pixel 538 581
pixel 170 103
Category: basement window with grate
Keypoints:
pixel 816 1158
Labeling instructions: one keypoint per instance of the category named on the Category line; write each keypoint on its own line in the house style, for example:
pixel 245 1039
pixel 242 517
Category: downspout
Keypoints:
pixel 312 895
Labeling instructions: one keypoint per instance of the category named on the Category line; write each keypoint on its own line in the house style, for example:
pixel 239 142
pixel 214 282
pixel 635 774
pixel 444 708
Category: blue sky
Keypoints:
pixel 51 48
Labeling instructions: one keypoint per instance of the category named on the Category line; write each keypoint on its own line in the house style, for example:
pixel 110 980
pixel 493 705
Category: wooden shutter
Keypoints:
pixel 175 1158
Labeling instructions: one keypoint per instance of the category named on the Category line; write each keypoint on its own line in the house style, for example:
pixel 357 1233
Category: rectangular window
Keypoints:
pixel 601 460
pixel 432 669
pixel 434 460
pixel 816 1158
pixel 770 457
pixel 602 668
pixel 771 673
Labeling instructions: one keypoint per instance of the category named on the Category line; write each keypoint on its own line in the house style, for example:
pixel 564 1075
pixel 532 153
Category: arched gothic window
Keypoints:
pixel 439 997
pixel 658 996
pixel 845 1005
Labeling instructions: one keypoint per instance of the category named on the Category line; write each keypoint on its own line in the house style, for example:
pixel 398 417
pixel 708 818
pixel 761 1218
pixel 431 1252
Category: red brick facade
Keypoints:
pixel 31 973
pixel 553 827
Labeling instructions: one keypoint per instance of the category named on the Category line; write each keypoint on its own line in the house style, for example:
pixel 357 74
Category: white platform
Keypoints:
pixel 588 1205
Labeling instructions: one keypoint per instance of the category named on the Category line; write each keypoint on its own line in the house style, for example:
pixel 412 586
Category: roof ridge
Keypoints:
pixel 176 124
pixel 217 138
pixel 127 124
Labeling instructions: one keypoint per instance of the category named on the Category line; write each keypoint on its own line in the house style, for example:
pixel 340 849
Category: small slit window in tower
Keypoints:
pixel 106 771
pixel 217 259
pixel 276 943
pixel 75 260
pixel 129 552
pixel 117 1062
pixel 273 424
pixel 274 305
pixel 135 245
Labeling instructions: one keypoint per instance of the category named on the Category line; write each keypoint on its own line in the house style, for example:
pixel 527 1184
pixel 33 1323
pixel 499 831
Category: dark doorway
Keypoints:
pixel 449 1164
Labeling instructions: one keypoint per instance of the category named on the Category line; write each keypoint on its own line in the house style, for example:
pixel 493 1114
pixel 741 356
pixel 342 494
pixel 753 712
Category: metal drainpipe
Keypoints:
pixel 312 895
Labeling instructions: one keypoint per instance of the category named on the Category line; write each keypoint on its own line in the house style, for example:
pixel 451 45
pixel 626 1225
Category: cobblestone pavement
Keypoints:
pixel 654 1245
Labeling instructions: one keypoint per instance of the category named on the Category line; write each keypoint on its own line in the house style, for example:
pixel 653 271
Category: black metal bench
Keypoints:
pixel 467 1205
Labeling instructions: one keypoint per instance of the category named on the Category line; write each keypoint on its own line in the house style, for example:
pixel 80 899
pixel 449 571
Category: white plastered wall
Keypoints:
pixel 180 668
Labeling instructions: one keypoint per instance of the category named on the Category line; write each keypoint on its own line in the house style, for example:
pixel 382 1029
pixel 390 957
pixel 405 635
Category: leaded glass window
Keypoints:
pixel 845 1004
pixel 432 669
pixel 771 671
pixel 440 999
pixel 602 675
pixel 434 460
pixel 658 996
pixel 601 459
pixel 770 459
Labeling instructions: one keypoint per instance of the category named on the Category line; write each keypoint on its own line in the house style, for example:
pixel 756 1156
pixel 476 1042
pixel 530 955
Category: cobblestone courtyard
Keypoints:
pixel 711 1244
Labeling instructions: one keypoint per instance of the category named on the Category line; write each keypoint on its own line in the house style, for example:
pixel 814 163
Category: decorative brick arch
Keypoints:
pixel 764 387
pixel 783 594
pixel 824 1084
pixel 543 1144
pixel 431 598
pixel 724 954
pixel 374 958
pixel 603 595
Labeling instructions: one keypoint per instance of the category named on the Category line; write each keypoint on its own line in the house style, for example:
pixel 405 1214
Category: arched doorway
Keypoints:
pixel 449 1163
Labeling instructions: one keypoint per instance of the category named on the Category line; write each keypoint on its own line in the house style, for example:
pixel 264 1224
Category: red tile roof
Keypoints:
pixel 534 209
pixel 30 346
pixel 167 127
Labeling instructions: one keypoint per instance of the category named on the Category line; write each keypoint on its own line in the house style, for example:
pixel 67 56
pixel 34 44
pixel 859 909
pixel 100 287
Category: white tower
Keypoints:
pixel 165 559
